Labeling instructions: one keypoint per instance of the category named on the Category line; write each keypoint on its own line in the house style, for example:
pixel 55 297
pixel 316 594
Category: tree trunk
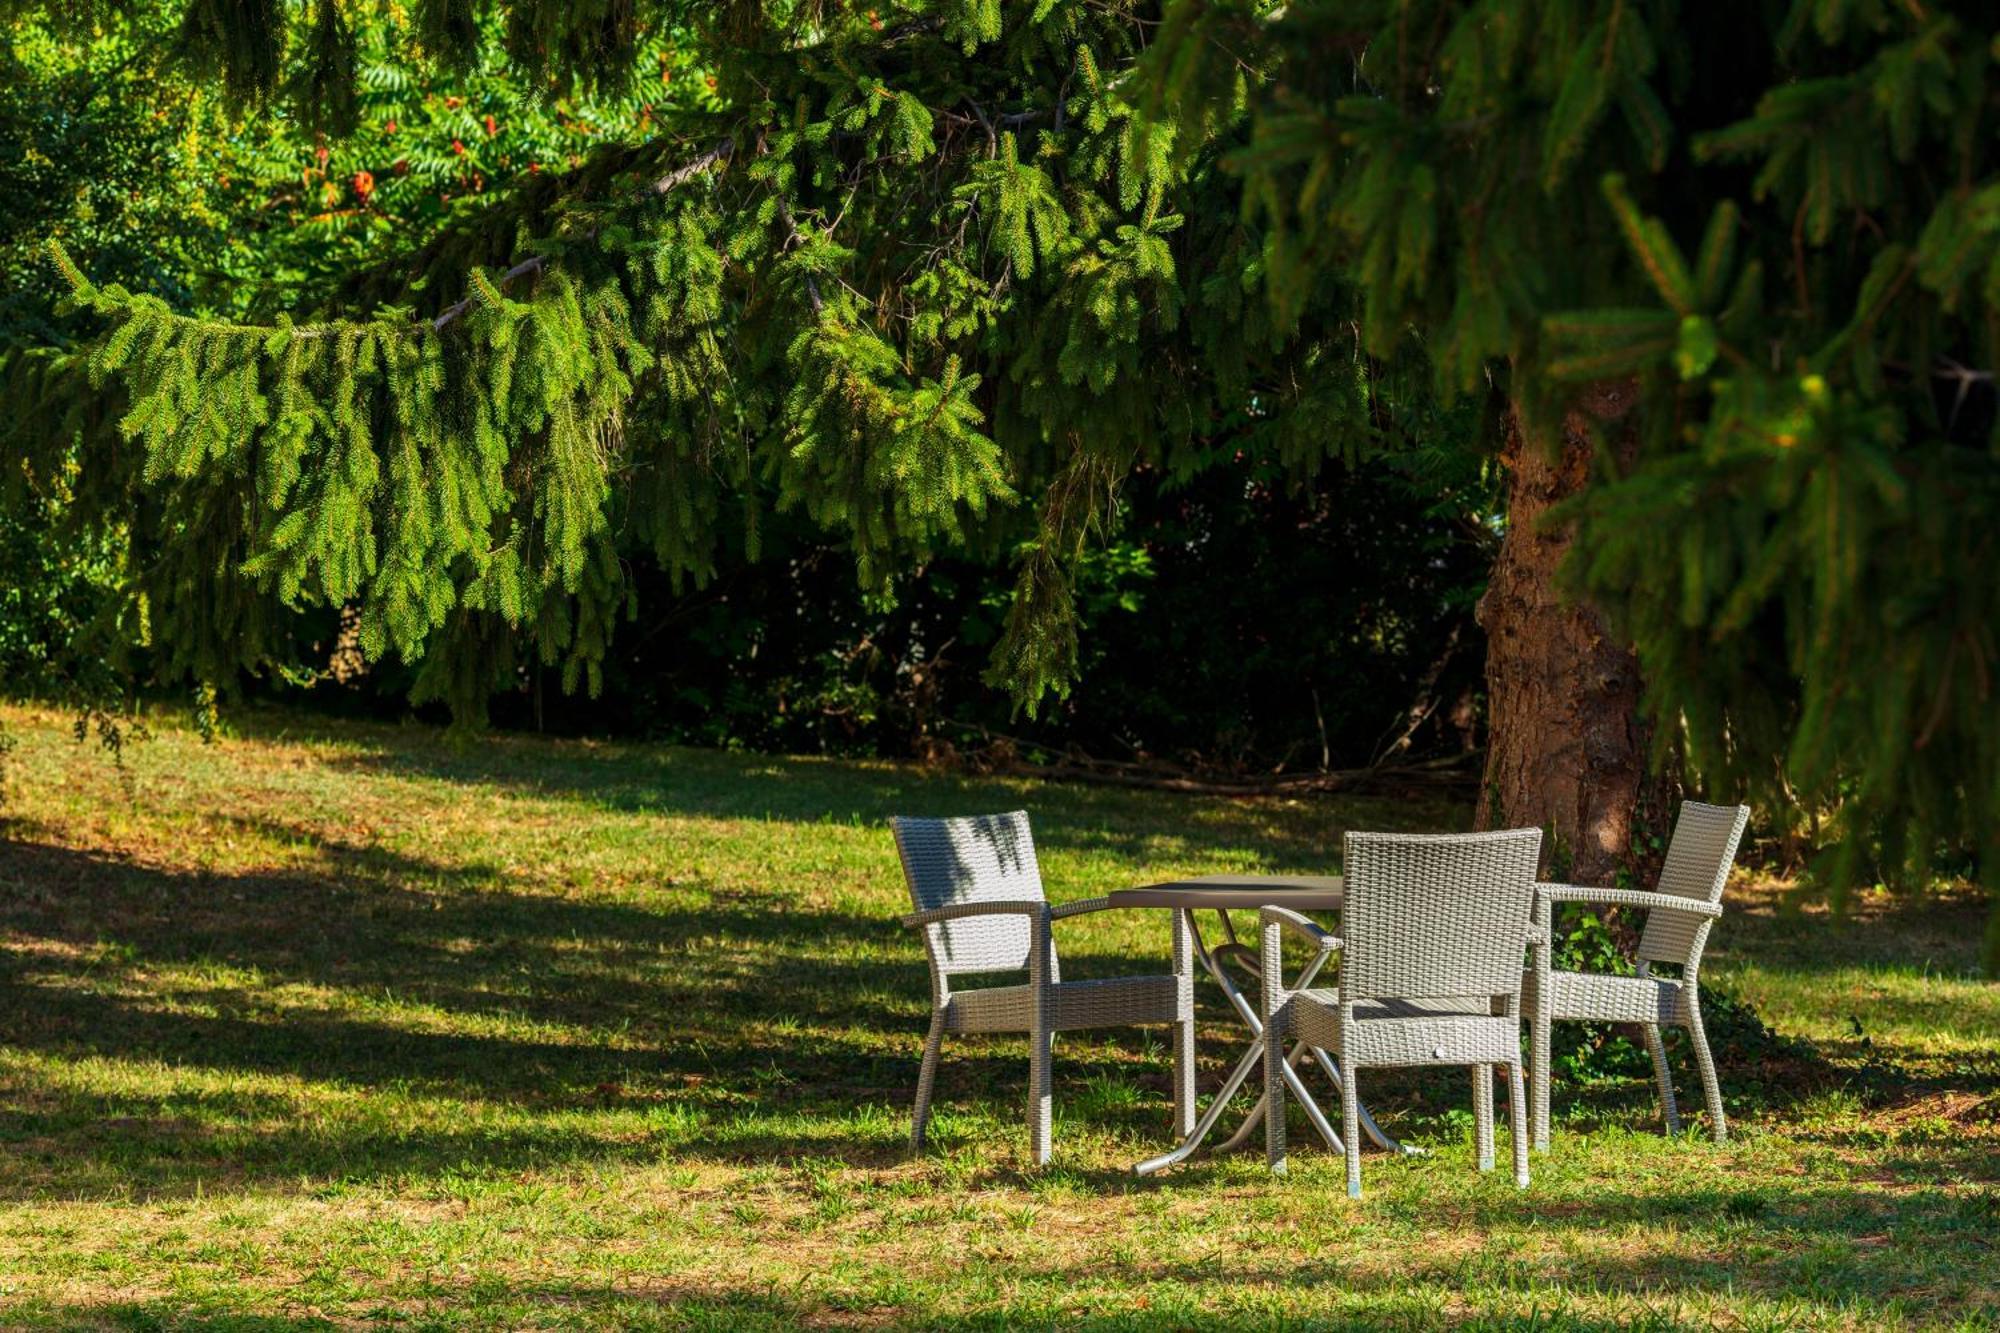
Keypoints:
pixel 1567 747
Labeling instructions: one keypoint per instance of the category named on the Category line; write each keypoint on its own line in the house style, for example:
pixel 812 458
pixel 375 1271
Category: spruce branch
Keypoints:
pixel 992 125
pixel 985 123
pixel 678 176
pixel 532 264
pixel 1963 378
pixel 794 238
pixel 475 476
pixel 84 290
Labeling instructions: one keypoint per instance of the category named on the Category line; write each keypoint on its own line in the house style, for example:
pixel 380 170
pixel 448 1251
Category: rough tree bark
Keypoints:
pixel 1567 746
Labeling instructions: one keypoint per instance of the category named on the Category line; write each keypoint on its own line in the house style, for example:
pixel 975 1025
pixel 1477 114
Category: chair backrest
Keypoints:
pixel 1427 915
pixel 977 858
pixel 1697 866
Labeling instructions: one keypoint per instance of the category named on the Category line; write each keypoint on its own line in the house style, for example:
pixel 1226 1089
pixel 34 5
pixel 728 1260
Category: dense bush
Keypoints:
pixel 53 587
pixel 1231 623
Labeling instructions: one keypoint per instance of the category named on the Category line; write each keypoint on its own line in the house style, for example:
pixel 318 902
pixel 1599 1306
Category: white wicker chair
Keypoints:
pixel 978 895
pixel 1432 930
pixel 1678 918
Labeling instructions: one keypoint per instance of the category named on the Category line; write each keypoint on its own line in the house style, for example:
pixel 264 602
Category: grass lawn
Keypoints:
pixel 327 1025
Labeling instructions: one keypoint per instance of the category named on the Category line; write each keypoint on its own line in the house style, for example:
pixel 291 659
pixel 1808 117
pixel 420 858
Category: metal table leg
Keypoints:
pixel 1247 1013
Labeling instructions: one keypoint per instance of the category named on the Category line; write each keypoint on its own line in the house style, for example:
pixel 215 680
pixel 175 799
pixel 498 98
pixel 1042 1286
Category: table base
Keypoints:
pixel 1213 962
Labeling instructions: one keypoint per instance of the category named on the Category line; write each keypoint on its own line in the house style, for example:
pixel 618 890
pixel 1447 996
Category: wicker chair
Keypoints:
pixel 979 901
pixel 1432 934
pixel 1678 918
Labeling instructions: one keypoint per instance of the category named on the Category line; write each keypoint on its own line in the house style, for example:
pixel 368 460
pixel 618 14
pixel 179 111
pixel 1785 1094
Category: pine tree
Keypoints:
pixel 923 277
pixel 1737 268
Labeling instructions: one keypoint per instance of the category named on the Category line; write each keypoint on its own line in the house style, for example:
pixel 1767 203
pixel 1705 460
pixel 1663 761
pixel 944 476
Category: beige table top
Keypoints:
pixel 1301 893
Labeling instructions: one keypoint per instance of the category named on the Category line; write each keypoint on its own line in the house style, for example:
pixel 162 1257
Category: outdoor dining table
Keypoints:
pixel 1219 894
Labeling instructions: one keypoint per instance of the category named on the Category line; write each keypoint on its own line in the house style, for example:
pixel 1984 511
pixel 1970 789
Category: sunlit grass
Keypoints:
pixel 1886 972
pixel 329 1025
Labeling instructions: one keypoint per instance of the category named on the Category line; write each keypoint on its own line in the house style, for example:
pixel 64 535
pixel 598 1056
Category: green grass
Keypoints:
pixel 331 1025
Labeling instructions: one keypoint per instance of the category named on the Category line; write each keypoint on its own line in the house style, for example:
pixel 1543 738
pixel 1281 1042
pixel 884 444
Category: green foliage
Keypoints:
pixel 1779 223
pixel 55 585
pixel 1228 622
pixel 922 299
pixel 91 157
pixel 113 148
pixel 243 42
pixel 1818 521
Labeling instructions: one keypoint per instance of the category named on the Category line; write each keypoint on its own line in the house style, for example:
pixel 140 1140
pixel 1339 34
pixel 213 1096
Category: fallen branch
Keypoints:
pixel 1446 773
pixel 1392 778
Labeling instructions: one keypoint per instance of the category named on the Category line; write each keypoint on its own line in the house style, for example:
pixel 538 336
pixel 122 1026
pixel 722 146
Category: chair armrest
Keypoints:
pixel 1666 902
pixel 1079 907
pixel 1302 926
pixel 1027 907
pixel 1273 994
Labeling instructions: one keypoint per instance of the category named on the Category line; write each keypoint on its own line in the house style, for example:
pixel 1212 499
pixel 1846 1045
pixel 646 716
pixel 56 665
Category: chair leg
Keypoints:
pixel 1482 1114
pixel 1669 1113
pixel 1184 1092
pixel 1041 987
pixel 1040 1108
pixel 1274 1093
pixel 1517 1124
pixel 1541 1042
pixel 920 1116
pixel 1350 1127
pixel 1704 1061
pixel 1184 1112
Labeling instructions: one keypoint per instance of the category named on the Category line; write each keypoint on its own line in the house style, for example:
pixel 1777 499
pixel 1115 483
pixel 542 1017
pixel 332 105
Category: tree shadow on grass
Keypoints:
pixel 1939 933
pixel 635 778
pixel 363 919
pixel 590 1029
pixel 1835 1247
pixel 535 1027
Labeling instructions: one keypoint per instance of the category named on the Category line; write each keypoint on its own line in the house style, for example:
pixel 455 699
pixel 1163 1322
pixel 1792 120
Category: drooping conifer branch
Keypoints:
pixel 681 355
pixel 533 264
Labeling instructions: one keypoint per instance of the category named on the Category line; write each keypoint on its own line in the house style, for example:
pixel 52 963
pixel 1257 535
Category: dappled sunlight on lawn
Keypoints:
pixel 329 1020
